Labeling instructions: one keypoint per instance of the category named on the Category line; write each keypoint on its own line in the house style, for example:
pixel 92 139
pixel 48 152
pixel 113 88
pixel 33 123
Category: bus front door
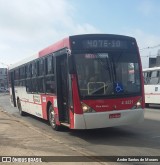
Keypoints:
pixel 62 87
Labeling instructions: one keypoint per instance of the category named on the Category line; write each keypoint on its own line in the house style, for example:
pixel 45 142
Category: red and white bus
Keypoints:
pixel 152 85
pixel 82 82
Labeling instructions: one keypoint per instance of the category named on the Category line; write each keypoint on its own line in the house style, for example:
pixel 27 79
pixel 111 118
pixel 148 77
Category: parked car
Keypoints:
pixel 2 89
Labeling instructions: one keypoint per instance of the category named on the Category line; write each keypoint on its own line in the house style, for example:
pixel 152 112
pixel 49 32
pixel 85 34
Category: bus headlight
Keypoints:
pixel 87 109
pixel 138 104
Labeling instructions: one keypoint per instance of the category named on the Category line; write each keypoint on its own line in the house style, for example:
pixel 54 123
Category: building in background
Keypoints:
pixel 3 78
pixel 153 62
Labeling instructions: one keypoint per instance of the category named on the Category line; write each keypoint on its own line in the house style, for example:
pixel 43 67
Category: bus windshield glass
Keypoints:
pixel 108 74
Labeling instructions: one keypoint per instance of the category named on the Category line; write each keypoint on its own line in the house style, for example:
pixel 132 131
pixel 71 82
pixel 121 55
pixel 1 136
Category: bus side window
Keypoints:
pixel 49 78
pixel 41 85
pixel 41 67
pixel 40 78
pixel 49 65
pixel 50 84
pixel 28 85
pixel 34 85
pixel 28 77
pixel 16 74
pixel 145 76
pixel 149 77
pixel 34 69
pixel 30 70
pixel 154 78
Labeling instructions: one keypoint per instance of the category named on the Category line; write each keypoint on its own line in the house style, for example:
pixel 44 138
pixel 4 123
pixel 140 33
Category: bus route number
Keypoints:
pixel 103 44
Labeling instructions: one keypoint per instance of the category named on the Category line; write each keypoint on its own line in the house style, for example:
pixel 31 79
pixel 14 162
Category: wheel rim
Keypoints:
pixel 52 117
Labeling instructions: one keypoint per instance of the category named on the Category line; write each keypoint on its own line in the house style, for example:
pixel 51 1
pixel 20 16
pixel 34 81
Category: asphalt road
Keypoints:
pixel 135 140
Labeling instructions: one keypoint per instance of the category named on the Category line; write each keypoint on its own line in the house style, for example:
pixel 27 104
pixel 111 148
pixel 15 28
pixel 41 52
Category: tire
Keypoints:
pixel 20 108
pixel 51 118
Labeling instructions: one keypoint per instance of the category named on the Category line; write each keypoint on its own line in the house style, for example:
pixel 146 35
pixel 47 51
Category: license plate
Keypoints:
pixel 115 115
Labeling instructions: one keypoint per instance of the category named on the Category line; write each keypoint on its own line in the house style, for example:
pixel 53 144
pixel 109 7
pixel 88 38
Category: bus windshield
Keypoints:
pixel 108 74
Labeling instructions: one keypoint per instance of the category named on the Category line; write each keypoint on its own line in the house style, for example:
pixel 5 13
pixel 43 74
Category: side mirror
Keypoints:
pixel 70 62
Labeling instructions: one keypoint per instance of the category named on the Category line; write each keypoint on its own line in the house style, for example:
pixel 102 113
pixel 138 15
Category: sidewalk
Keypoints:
pixel 19 138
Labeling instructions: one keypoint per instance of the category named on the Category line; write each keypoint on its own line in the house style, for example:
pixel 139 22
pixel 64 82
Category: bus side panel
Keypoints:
pixel 12 89
pixel 30 103
pixel 152 94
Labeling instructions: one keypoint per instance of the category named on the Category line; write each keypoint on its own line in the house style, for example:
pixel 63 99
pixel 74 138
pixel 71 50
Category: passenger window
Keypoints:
pixel 50 84
pixel 41 67
pixel 49 66
pixel 154 79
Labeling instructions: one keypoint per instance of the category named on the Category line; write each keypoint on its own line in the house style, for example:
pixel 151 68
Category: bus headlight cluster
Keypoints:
pixel 138 104
pixel 87 109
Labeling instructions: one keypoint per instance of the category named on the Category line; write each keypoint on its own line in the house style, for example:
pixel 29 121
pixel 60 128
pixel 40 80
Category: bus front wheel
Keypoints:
pixel 52 120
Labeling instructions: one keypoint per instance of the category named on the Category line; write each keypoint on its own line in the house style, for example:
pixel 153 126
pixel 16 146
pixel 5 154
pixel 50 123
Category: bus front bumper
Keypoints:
pixel 103 120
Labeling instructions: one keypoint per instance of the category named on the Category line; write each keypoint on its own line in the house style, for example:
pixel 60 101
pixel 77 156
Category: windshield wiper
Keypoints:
pixel 106 89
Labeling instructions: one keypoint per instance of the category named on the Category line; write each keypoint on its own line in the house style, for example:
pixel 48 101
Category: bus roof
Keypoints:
pixel 54 47
pixel 151 69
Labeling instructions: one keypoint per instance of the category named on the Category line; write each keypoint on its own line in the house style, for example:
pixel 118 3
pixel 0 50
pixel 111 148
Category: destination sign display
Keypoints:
pixel 109 43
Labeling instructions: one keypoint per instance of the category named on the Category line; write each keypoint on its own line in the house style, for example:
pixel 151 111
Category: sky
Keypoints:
pixel 28 26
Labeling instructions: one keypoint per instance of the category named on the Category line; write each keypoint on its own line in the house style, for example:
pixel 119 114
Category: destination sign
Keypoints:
pixel 98 55
pixel 111 44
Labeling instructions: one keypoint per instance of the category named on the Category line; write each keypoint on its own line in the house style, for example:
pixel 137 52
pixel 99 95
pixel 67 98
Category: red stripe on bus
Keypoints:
pixel 76 99
pixel 53 48
pixel 30 102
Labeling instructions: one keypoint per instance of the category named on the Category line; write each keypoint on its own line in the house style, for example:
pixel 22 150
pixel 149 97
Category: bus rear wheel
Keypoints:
pixel 52 120
pixel 20 108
